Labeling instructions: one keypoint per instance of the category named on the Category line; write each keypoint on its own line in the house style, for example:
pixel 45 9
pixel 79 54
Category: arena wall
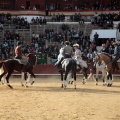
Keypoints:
pixel 49 69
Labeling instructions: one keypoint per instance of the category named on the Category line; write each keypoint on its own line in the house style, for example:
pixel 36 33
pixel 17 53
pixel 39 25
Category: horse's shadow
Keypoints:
pixel 58 89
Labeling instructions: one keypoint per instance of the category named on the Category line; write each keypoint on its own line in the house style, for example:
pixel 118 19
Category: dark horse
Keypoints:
pixel 11 65
pixel 68 66
pixel 83 69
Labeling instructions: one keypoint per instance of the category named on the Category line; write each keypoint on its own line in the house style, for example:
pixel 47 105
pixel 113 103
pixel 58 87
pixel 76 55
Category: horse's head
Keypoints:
pixel 96 57
pixel 32 59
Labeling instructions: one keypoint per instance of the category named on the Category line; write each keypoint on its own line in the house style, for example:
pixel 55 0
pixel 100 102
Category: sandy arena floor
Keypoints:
pixel 47 101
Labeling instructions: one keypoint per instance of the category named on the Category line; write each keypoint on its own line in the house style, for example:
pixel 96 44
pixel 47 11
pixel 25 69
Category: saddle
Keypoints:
pixel 23 61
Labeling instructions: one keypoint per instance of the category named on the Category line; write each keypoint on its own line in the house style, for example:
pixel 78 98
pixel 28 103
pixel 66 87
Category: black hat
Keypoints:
pixel 67 42
pixel 18 43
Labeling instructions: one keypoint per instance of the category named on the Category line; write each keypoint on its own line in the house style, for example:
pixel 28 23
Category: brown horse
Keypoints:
pixel 11 65
pixel 108 62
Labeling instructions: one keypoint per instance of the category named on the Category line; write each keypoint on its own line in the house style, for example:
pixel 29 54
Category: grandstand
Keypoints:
pixel 45 24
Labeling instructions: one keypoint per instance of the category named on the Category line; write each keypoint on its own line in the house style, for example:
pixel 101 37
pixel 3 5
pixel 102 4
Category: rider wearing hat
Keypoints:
pixel 77 54
pixel 116 55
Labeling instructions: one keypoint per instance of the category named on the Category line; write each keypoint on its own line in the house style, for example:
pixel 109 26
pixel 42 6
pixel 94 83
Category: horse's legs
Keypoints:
pixel 96 80
pixel 109 78
pixel 22 78
pixel 103 77
pixel 2 76
pixel 61 79
pixel 75 80
pixel 25 79
pixel 85 76
pixel 7 79
pixel 69 79
pixel 64 81
pixel 32 74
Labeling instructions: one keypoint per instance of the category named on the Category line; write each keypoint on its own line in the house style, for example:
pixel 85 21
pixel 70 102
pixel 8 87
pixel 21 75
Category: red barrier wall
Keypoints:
pixel 50 69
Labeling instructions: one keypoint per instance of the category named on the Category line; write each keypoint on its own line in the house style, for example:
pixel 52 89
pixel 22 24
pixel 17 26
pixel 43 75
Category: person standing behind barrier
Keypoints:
pixel 96 36
pixel 67 50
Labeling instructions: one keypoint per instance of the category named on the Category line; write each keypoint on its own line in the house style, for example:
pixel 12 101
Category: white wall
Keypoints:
pixel 108 33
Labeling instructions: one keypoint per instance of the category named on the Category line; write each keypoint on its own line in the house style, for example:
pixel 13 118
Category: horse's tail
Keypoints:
pixel 73 68
pixel 1 68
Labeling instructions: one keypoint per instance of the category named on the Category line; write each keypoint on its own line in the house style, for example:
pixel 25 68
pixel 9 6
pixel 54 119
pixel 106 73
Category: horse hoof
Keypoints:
pixel 62 86
pixel 108 85
pixel 96 83
pixel 32 82
pixel 22 85
pixel 83 82
pixel 10 86
pixel 104 84
pixel 71 82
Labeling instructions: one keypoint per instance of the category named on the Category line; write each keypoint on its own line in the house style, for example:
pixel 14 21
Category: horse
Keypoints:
pixel 83 67
pixel 68 66
pixel 11 65
pixel 100 67
pixel 108 62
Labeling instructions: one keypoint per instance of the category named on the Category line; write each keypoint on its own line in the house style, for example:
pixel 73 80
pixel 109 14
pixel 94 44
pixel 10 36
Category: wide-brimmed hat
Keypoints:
pixel 76 45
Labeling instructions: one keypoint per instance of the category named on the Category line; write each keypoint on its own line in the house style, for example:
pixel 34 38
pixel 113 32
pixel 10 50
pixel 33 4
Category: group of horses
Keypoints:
pixel 102 62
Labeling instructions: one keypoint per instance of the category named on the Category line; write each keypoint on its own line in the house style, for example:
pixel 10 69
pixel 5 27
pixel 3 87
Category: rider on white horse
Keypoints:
pixel 65 52
pixel 78 58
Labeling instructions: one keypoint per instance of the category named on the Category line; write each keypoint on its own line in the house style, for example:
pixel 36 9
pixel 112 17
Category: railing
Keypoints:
pixel 67 13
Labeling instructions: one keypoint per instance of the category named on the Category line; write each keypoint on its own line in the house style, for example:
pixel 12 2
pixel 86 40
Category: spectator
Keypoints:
pixel 1 27
pixel 34 8
pixel 22 6
pixel 104 49
pixel 96 36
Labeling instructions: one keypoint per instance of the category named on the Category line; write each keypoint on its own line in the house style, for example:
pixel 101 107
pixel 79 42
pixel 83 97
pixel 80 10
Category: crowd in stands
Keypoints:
pixel 39 20
pixel 85 5
pixel 104 20
pixel 56 39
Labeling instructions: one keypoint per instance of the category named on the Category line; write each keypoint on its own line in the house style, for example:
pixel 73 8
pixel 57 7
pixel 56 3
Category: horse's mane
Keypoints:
pixel 107 54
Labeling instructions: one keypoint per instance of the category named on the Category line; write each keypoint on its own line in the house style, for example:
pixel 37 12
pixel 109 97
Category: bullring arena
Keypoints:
pixel 46 100
pixel 43 26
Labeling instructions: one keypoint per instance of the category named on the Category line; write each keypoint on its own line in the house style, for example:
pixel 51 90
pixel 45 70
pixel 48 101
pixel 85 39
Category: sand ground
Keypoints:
pixel 47 101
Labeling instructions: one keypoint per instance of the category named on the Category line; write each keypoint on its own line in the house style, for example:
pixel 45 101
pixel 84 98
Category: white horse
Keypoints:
pixel 100 67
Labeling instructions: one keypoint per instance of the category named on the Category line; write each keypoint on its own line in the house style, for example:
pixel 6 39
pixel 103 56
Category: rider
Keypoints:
pixel 77 54
pixel 18 55
pixel 67 52
pixel 18 51
pixel 78 58
pixel 116 55
pixel 104 49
